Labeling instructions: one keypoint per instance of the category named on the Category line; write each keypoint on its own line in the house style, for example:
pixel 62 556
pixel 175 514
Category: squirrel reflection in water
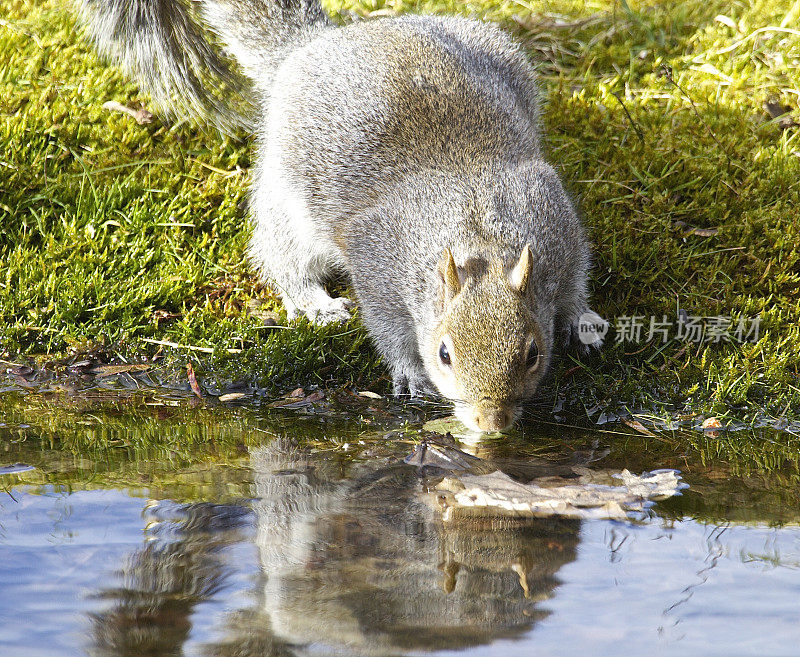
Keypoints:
pixel 354 558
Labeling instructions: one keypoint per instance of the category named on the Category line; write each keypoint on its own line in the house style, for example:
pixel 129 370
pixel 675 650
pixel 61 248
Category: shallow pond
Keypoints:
pixel 165 530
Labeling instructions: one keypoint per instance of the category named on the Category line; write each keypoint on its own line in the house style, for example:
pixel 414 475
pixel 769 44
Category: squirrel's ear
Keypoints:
pixel 522 270
pixel 449 273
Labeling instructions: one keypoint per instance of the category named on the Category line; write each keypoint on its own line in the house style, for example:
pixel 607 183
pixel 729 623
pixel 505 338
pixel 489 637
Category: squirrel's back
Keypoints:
pixel 358 109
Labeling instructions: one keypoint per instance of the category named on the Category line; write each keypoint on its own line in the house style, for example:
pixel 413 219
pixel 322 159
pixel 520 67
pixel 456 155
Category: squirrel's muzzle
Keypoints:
pixel 492 419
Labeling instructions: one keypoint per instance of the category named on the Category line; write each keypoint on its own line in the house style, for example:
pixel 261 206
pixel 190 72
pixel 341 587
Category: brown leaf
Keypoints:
pixel 110 370
pixel 159 316
pixel 704 232
pixel 21 370
pixel 255 308
pixel 688 230
pixel 22 381
pixel 781 114
pixel 638 426
pixel 193 381
pixel 233 396
pixel 298 399
pixel 711 424
pixel 315 396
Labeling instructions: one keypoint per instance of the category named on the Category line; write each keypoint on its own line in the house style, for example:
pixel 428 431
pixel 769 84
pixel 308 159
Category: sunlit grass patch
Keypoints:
pixel 112 231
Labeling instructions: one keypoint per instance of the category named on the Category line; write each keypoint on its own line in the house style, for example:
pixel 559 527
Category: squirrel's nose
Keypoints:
pixel 495 419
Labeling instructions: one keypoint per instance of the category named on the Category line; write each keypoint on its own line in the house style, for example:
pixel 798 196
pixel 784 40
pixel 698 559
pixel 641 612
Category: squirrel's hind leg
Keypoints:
pixel 296 258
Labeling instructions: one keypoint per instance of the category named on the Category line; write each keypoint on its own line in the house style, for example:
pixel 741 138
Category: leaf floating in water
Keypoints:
pixel 499 494
pixel 317 395
pixel 111 370
pixel 605 418
pixel 711 424
pixel 638 426
pixel 15 469
pixel 436 456
pixel 298 399
pixel 81 366
pixel 705 232
pixel 233 396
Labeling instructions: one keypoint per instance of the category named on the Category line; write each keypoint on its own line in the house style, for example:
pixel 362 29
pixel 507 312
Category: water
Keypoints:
pixel 237 532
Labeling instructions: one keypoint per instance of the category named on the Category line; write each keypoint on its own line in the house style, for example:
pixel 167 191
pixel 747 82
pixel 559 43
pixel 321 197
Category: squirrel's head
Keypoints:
pixel 491 345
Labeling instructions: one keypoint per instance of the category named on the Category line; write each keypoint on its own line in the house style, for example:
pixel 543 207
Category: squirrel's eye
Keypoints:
pixel 533 356
pixel 444 355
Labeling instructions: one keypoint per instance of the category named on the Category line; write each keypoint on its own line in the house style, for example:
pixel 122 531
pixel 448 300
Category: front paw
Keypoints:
pixel 412 386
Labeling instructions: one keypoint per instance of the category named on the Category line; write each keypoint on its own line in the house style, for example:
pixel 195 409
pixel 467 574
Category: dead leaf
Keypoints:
pixel 711 424
pixel 781 114
pixel 164 316
pixel 298 399
pixel 193 381
pixel 369 394
pixel 638 426
pixel 694 230
pixel 21 370
pixel 233 396
pixel 498 494
pixel 703 232
pixel 268 317
pixel 110 370
pixel 315 396
pixel 440 456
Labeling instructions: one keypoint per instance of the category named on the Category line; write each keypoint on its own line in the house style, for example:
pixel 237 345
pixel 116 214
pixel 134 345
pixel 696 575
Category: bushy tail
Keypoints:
pixel 169 47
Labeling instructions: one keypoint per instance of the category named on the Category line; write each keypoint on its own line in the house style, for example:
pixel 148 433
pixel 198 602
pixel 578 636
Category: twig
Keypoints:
pixel 635 126
pixel 238 171
pixel 142 116
pixel 638 130
pixel 205 350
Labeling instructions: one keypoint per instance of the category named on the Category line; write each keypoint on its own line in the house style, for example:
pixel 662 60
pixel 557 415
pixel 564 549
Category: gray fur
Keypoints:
pixel 381 144
pixel 165 46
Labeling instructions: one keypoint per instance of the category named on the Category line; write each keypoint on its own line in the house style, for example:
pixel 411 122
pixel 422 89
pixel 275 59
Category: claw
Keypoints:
pixel 400 385
pixel 413 387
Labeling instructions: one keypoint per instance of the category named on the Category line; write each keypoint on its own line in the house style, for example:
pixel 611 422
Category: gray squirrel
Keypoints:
pixel 404 152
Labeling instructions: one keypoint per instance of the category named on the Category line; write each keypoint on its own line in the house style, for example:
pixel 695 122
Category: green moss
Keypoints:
pixel 111 232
